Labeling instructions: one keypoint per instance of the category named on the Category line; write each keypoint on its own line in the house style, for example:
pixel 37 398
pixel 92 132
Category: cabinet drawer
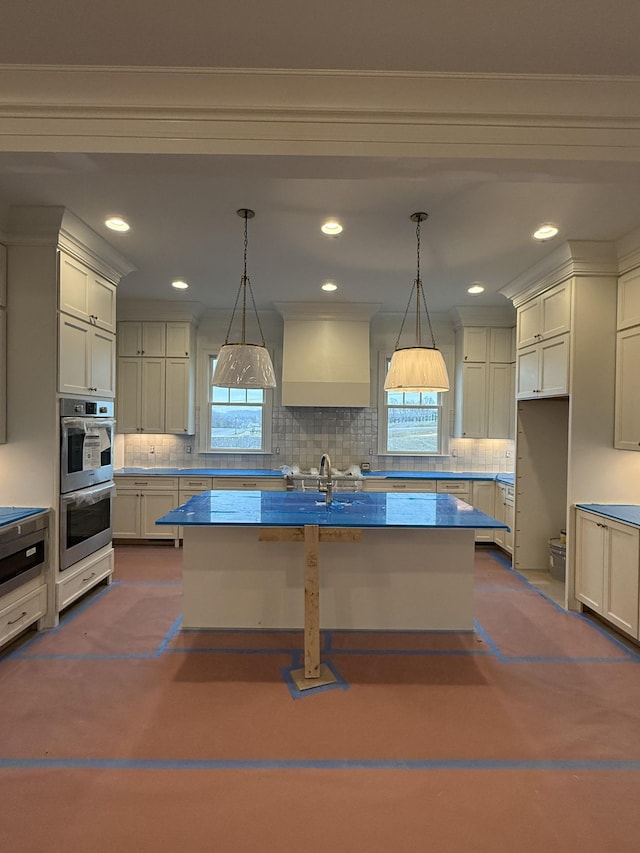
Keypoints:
pixel 399 485
pixel 83 578
pixel 267 484
pixel 195 484
pixel 22 613
pixel 454 487
pixel 132 484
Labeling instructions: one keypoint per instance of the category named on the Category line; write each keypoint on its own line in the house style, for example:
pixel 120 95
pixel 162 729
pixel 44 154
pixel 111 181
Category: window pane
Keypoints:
pixel 412 430
pixel 220 395
pixel 395 398
pixel 429 398
pixel 237 395
pixel 236 427
pixel 412 398
pixel 255 395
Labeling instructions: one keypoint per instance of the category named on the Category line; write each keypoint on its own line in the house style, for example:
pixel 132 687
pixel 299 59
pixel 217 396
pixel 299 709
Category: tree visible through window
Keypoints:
pixel 236 417
pixel 411 421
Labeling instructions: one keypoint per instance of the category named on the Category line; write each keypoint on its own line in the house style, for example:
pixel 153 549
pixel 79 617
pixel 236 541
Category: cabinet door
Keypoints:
pixel 527 371
pixel 102 302
pixel 154 505
pixel 153 339
pixel 3 375
pixel 474 343
pixel 500 401
pixel 621 579
pixel 499 512
pixel 474 400
pixel 3 276
pixel 129 396
pixel 102 363
pixel 179 415
pixel 629 299
pixel 125 515
pixel 555 310
pixel 74 287
pixel 554 367
pixel 501 345
pixel 153 395
pixel 483 499
pixel 590 556
pixel 129 339
pixel 178 341
pixel 74 349
pixel 528 323
pixel 510 519
pixel 627 411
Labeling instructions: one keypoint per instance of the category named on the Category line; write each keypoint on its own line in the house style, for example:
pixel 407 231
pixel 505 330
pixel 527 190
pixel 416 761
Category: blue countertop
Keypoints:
pixel 295 509
pixel 626 513
pixel 11 514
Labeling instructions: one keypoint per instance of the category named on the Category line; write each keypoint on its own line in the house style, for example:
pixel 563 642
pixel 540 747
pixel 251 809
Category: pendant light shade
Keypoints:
pixel 241 364
pixel 418 367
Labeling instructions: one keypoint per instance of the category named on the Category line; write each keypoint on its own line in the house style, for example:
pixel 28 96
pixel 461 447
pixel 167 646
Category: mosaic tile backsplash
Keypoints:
pixel 301 435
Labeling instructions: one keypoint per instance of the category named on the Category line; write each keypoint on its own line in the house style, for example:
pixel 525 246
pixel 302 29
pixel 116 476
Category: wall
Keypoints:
pixel 300 435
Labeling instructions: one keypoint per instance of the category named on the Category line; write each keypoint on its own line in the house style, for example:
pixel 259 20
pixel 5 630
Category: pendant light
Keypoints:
pixel 417 367
pixel 241 364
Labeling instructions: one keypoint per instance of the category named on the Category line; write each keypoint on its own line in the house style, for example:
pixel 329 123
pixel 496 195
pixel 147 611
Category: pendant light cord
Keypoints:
pixel 420 297
pixel 245 282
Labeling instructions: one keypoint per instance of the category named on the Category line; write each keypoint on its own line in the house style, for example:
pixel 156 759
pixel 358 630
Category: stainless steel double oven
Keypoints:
pixel 87 432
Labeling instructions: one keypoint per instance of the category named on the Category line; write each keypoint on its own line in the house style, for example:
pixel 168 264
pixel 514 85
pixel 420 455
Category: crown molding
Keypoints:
pixel 347 311
pixel 574 258
pixel 629 252
pixel 191 110
pixel 483 315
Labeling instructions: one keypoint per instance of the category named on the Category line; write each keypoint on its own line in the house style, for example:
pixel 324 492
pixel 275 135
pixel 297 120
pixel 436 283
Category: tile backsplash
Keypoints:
pixel 302 435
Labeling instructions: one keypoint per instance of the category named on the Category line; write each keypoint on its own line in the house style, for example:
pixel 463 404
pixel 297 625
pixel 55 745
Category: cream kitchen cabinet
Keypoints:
pixel 155 395
pixel 546 315
pixel 629 299
pixel 627 408
pixel 86 295
pixel 484 392
pixel 483 498
pixel 266 484
pixel 505 511
pixel 86 358
pixel 21 608
pixel 139 501
pixel 542 370
pixel 607 569
pixel 3 344
pixel 397 484
pixel 155 339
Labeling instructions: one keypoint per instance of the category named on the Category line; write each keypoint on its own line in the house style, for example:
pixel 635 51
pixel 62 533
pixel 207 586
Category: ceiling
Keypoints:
pixel 182 207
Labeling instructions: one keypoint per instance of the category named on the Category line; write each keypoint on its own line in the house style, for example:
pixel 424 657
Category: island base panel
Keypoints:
pixel 393 579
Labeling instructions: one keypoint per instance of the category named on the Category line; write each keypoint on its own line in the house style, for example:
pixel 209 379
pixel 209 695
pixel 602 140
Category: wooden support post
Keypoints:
pixel 311 603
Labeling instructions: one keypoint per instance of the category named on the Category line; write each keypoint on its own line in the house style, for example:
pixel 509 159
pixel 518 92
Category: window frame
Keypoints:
pixel 206 404
pixel 383 417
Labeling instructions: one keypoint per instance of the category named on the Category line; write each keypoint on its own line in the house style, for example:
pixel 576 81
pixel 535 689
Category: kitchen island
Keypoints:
pixel 387 561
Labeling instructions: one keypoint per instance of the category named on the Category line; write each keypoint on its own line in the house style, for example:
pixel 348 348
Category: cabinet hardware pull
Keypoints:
pixel 92 575
pixel 21 616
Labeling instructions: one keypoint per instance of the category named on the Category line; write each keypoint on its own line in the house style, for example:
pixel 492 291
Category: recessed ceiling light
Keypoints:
pixel 179 284
pixel 116 223
pixel 545 232
pixel 329 286
pixel 475 288
pixel 331 227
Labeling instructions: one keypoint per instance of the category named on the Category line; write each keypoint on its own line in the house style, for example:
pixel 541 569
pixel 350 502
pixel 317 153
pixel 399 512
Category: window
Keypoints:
pixel 411 422
pixel 238 418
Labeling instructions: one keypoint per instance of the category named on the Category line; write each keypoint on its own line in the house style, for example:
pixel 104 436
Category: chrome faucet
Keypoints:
pixel 327 487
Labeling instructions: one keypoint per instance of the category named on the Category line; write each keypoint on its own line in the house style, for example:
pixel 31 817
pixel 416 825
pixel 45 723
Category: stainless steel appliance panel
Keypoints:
pixel 86 443
pixel 85 522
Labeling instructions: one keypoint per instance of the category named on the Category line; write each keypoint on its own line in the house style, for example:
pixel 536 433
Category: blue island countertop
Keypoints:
pixel 11 514
pixel 626 513
pixel 295 509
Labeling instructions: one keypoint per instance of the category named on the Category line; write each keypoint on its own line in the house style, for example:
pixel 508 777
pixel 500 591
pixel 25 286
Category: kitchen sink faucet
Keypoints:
pixel 327 487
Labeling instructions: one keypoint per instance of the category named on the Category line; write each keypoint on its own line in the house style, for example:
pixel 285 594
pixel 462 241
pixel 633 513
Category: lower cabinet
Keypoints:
pixel 607 569
pixel 505 511
pixel 21 608
pixel 483 499
pixel 84 575
pixel 396 484
pixel 139 501
pixel 265 484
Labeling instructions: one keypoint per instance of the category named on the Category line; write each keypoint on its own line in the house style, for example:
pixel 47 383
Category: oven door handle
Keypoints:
pixel 91 495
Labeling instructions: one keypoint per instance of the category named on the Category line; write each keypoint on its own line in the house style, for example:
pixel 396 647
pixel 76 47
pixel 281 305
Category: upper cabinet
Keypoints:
pixel 484 382
pixel 155 377
pixel 86 295
pixel 627 412
pixel 542 334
